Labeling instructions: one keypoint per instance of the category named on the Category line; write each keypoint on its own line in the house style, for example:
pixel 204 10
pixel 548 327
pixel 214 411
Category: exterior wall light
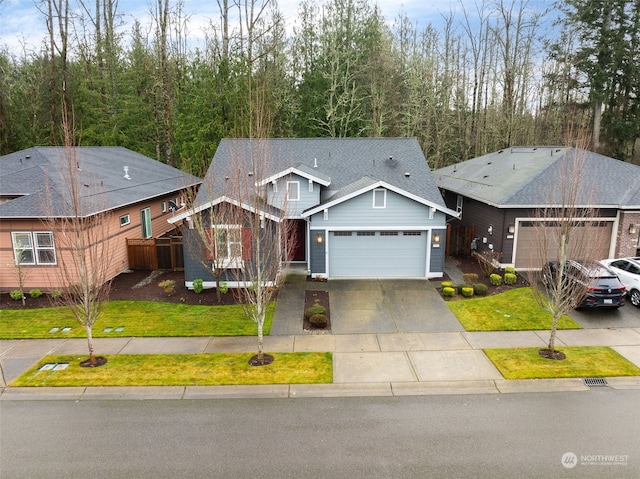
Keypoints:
pixel 633 229
pixel 319 238
pixel 436 240
pixel 511 229
pixel 490 229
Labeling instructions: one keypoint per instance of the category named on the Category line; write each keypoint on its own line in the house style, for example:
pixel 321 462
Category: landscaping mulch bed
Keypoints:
pixel 322 298
pixel 468 264
pixel 137 286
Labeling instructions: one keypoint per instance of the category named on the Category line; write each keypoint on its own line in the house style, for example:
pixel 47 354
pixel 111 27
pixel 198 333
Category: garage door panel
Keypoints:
pixel 377 255
pixel 587 241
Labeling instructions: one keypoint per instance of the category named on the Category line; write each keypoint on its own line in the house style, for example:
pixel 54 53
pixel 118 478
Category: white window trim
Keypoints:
pixel 459 203
pixel 376 192
pixel 126 218
pixel 229 262
pixel 296 186
pixel 34 248
pixel 164 206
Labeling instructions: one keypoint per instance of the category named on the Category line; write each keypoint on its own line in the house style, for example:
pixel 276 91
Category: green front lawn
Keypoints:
pixel 513 310
pixel 135 318
pixel 182 370
pixel 581 361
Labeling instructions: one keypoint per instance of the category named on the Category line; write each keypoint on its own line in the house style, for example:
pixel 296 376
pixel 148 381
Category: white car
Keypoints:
pixel 628 270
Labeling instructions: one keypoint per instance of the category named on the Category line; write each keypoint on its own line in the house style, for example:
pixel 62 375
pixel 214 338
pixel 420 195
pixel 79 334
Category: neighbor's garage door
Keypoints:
pixel 369 254
pixel 530 234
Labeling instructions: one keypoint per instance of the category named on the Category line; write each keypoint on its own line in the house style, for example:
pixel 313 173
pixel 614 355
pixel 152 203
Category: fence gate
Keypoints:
pixel 155 253
pixel 459 239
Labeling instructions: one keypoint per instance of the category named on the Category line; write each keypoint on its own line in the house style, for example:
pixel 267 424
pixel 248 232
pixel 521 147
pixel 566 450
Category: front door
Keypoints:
pixel 299 237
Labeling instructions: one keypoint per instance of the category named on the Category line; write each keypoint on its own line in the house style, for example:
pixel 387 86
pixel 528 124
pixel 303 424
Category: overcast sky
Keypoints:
pixel 21 23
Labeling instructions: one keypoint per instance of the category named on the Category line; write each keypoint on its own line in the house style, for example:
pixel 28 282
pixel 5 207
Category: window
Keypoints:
pixel 30 248
pixel 379 198
pixel 164 206
pixel 388 233
pixel 459 204
pixel 145 221
pixel 228 246
pixel 125 220
pixel 366 233
pixel 342 233
pixel 411 233
pixel 293 190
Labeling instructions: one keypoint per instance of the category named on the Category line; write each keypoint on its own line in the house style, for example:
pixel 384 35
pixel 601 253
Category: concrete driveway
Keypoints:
pixel 387 306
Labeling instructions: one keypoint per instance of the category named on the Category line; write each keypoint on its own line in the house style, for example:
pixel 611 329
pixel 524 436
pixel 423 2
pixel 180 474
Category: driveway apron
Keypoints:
pixel 388 306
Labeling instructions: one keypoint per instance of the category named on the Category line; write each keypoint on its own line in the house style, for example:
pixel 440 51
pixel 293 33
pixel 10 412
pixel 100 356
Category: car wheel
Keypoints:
pixel 634 297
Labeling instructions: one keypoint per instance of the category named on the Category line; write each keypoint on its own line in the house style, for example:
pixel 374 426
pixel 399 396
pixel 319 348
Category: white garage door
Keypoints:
pixel 598 237
pixel 382 254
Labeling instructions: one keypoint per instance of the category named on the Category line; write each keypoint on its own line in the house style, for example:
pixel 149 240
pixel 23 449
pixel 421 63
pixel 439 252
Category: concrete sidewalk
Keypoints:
pixel 389 338
pixel 394 364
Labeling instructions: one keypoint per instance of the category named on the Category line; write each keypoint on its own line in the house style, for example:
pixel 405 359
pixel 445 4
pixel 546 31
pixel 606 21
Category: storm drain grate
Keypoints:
pixel 595 382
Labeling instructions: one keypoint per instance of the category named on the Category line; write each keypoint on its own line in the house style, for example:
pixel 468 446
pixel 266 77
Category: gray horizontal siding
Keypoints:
pixel 359 212
pixel 307 198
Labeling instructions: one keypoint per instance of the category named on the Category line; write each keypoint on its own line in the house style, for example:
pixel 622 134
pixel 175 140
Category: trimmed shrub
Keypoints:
pixel 448 291
pixel 480 289
pixel 495 279
pixel 35 293
pixel 168 286
pixel 318 321
pixel 223 287
pixel 460 287
pixel 198 286
pixel 467 291
pixel 510 270
pixel 510 278
pixel 470 278
pixel 16 295
pixel 446 284
pixel 56 294
pixel 313 310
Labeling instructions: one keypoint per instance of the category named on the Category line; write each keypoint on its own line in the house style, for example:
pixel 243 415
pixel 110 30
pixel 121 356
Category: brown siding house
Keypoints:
pixel 139 193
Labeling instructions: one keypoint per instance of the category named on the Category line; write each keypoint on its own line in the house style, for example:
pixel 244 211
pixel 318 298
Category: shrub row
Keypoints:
pixel 471 287
pixel 17 295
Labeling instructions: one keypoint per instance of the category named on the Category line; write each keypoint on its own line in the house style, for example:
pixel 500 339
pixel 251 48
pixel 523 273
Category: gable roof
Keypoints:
pixel 339 164
pixel 34 178
pixel 529 177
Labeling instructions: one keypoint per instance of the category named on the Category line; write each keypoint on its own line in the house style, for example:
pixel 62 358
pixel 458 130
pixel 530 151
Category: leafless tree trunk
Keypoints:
pixel 267 244
pixel 566 231
pixel 82 240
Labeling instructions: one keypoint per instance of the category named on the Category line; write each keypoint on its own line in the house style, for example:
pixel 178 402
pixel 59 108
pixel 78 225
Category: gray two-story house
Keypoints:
pixel 362 207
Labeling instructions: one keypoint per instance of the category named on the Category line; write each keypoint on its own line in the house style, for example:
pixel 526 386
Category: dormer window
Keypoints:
pixel 380 198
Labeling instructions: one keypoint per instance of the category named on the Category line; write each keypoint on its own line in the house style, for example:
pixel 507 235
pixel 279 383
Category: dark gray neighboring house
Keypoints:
pixel 498 195
pixel 363 207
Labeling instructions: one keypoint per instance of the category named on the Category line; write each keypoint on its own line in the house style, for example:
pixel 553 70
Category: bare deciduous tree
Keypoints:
pixel 80 221
pixel 241 234
pixel 567 230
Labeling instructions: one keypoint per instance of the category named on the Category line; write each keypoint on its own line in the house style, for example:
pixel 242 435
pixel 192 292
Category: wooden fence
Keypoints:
pixel 156 253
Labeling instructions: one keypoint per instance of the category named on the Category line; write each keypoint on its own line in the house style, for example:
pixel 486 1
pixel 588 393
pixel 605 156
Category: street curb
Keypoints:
pixel 291 391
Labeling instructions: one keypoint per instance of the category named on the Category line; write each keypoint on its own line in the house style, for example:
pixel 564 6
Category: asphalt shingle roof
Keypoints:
pixel 346 161
pixel 533 176
pixel 35 178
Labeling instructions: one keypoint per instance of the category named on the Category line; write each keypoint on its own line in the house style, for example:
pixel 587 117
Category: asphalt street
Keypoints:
pixel 571 435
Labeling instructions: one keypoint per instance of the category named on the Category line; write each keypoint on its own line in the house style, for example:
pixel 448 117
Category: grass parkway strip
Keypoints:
pixel 180 370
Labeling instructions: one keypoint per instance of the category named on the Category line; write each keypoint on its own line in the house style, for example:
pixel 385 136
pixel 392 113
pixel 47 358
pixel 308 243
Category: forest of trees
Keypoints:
pixel 492 74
